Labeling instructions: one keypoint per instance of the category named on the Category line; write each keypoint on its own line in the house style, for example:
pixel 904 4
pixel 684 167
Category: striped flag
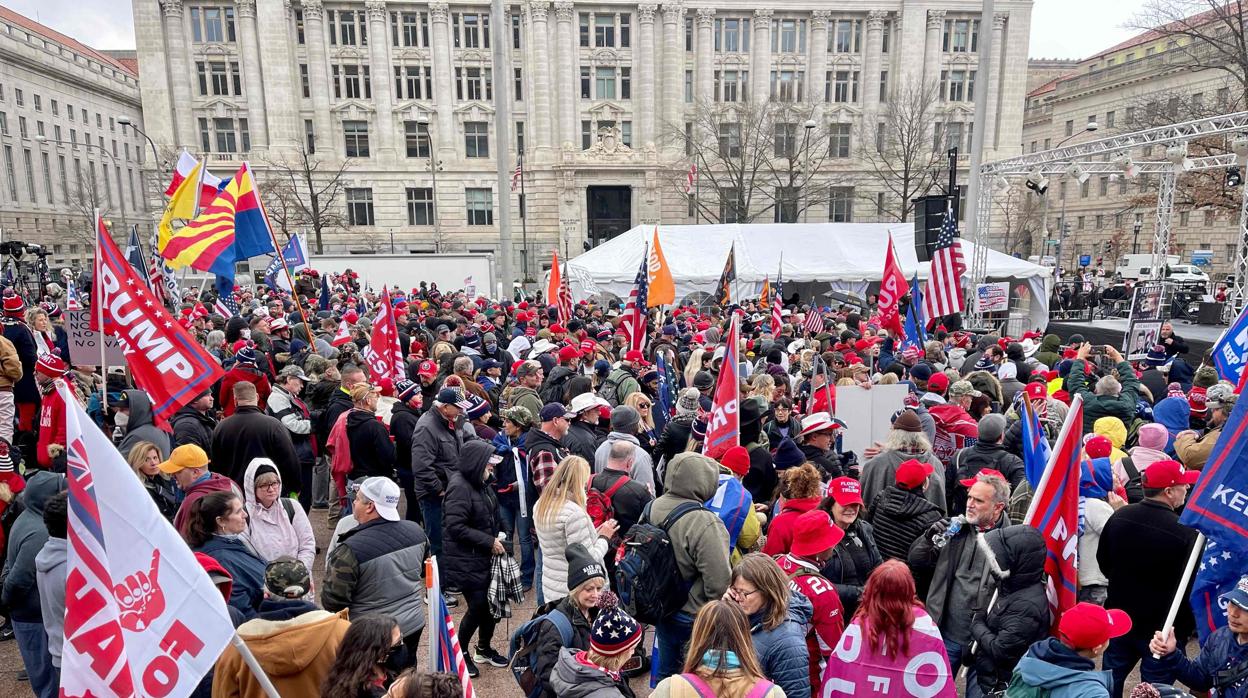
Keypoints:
pixel 209 184
pixel 723 290
pixel 1054 512
pixel 72 302
pixel 517 175
pixel 134 253
pixel 915 333
pixel 944 292
pixel 777 304
pixel 764 296
pixel 691 177
pixel 226 306
pixel 558 293
pixel 445 652
pixel 814 319
pixel 634 320
pixel 1035 444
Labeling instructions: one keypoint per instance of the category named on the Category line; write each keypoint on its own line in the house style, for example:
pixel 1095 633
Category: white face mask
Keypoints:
pixel 121 419
pixel 245 333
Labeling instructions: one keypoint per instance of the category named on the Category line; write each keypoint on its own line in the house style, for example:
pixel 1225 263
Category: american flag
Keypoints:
pixel 814 319
pixel 777 305
pixel 225 306
pixel 517 175
pixel 943 295
pixel 160 278
pixel 634 320
pixel 564 299
pixel 72 302
pixel 447 654
pixel 691 177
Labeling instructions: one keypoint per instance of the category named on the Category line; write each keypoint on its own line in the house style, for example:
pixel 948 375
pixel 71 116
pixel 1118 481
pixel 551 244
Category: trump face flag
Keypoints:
pixel 1055 513
pixel 724 430
pixel 142 618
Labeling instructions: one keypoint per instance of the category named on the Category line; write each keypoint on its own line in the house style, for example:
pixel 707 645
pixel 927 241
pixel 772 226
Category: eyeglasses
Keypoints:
pixel 269 486
pixel 742 594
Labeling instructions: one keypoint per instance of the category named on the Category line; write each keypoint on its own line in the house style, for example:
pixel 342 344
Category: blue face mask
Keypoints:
pixel 720 659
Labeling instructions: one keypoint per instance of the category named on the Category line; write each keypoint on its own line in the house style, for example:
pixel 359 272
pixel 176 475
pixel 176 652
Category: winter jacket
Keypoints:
pixel 1219 651
pixel 190 426
pixel 699 538
pixel 575 677
pixel 851 563
pixel 955 429
pixel 378 568
pixel 828 620
pixel 51 569
pixel 983 456
pixel 1122 405
pixel 960 579
pixel 25 389
pixel 402 427
pixel 544 452
pixel 52 424
pixel 674 438
pixel 435 453
pixel 10 365
pixel 141 425
pixel 251 434
pixel 552 387
pixel 209 483
pixel 782 650
pixel 628 501
pixel 1049 353
pixel 548 645
pixel 470 521
pixel 282 528
pixel 1194 450
pixel 26 538
pixel 830 463
pixel 898 517
pixel 1050 669
pixel 336 403
pixel 571 524
pixel 881 471
pixel 620 383
pixel 242 374
pixel 522 396
pixel 780 532
pixel 643 466
pixel 1143 552
pixel 582 440
pixel 1174 413
pixel 294 414
pixel 296 653
pixel 245 568
pixel 372 452
pixel 1020 616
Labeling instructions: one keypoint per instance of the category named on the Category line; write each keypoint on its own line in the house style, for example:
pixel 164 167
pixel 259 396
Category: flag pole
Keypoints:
pixel 257 671
pixel 1167 628
pixel 97 297
pixel 431 592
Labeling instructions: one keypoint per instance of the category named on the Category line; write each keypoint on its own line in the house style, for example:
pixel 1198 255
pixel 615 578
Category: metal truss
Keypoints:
pixel 1165 214
pixel 1237 296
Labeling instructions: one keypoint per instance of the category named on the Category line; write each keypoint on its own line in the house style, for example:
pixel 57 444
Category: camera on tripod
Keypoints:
pixel 16 248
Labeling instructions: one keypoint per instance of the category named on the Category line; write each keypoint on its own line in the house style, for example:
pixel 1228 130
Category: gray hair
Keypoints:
pixel 1108 385
pixel 908 441
pixel 1000 487
pixel 216 339
pixel 462 364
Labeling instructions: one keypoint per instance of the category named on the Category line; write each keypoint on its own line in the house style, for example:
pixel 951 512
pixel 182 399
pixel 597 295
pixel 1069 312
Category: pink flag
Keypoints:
pixel 923 672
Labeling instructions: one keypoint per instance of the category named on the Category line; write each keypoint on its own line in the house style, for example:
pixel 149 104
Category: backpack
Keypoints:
pixel 610 389
pixel 523 650
pixel 340 465
pixel 759 690
pixel 647 577
pixel 598 503
pixel 553 391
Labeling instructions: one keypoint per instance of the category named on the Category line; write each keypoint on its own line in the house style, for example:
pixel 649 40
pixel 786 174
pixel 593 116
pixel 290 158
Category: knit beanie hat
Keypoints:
pixel 6 457
pixel 687 403
pixel 582 566
pixel 246 355
pixel 908 421
pixel 625 419
pixel 1205 377
pixel 736 459
pixel 1154 436
pixel 614 632
pixel 1175 390
pixel 788 455
pixel 1196 399
pixel 14 306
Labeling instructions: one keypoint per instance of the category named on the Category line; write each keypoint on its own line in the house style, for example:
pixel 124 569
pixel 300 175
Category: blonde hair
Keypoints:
pixel 138 454
pixel 360 392
pixel 889 378
pixel 721 626
pixel 765 575
pixel 647 416
pixel 568 484
pixel 763 386
pixel 693 365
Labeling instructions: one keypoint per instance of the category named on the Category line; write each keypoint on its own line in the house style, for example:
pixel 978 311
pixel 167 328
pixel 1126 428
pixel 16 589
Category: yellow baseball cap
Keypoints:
pixel 183 457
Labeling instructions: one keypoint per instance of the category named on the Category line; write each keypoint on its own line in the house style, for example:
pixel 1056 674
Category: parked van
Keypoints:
pixel 1140 266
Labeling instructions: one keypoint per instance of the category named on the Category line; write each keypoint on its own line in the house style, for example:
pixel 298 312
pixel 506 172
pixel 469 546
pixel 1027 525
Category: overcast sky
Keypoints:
pixel 1059 28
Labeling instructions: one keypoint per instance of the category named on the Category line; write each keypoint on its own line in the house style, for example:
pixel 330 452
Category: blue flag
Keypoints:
pixel 1035 444
pixel 916 324
pixel 1216 508
pixel 293 255
pixel 666 399
pixel 324 300
pixel 134 254
pixel 1229 352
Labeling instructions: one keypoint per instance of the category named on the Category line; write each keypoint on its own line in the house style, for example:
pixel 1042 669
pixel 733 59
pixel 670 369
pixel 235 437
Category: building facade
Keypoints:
pixel 402 94
pixel 1141 83
pixel 63 150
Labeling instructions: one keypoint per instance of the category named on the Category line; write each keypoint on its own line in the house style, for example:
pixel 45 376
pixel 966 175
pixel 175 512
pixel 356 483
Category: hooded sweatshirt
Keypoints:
pixel 1113 429
pixel 51 570
pixel 1053 667
pixel 643 466
pixel 1152 439
pixel 26 539
pixel 141 425
pixel 1175 414
pixel 296 654
pixel 280 529
pixel 1050 347
pixel 575 677
pixel 699 538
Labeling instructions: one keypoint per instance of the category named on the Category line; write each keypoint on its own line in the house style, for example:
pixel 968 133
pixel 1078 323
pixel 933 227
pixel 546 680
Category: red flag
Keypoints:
pixel 724 430
pixel 892 288
pixel 383 354
pixel 344 334
pixel 1055 513
pixel 164 358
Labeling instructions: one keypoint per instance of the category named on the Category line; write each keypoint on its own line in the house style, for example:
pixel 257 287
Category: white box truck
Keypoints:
pixel 1140 266
pixel 450 271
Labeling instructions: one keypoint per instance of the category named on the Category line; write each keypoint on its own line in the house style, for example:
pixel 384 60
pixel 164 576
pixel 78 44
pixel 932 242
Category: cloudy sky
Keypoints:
pixel 1060 28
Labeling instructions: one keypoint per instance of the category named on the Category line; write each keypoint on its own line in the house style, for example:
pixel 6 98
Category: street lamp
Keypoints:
pixel 1061 227
pixel 1135 238
pixel 434 166
pixel 810 127
pixel 125 121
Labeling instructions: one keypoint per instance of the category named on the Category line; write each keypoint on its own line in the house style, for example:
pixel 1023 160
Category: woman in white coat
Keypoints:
pixel 275 526
pixel 561 520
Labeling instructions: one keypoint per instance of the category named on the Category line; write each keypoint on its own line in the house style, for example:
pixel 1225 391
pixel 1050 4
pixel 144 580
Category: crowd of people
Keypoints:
pixel 533 453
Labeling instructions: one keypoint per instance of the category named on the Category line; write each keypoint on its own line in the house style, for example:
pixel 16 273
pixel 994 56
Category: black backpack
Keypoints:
pixel 647 577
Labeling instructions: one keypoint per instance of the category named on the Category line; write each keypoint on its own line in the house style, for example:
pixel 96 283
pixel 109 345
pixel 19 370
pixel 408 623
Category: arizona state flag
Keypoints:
pixel 234 227
pixel 764 296
pixel 662 289
pixel 723 290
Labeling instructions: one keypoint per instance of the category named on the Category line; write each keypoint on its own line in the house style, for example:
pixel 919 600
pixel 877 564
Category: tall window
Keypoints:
pixel 212 24
pixel 605 29
pixel 360 206
pixel 29 161
pixel 347 27
pixel 732 35
pixel 309 136
pixel 419 206
pixel 785 140
pixel 841 86
pixel 305 83
pixel 961 35
pixel 786 85
pixel 841 205
pixel 957 85
pixel 787 202
pixel 10 174
pixel 480 206
pixel 517 88
pixel 61 169
pixel 352 81
pixel 788 36
pixel 410 29
pixel 730 85
pixel 47 177
pixel 413 82
pixel 476 139
pixel 845 36
pixel 604 82
pixel 515 31
pixel 226 138
pixel 731 207
pixel 471 30
pixel 219 78
pixel 355 134
pixel 729 140
pixel 416 136
pixel 839 140
pixel 474 83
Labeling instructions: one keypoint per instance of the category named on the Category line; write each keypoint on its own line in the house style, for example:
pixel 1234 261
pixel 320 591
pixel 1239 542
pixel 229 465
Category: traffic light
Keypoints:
pixel 1234 177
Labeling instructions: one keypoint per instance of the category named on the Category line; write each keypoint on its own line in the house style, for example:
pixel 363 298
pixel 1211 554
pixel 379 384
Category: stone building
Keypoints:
pixel 599 93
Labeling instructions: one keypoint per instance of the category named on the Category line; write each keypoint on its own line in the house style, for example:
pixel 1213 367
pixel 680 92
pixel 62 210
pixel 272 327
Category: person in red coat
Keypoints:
pixel 814 538
pixel 50 370
pixel 11 484
pixel 244 371
pixel 800 490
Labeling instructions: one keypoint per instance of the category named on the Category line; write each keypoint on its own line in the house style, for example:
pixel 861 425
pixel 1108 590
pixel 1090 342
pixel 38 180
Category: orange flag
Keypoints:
pixel 552 288
pixel 764 298
pixel 662 290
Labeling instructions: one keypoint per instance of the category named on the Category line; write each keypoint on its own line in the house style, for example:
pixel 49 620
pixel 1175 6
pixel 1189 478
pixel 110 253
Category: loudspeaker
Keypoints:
pixel 929 215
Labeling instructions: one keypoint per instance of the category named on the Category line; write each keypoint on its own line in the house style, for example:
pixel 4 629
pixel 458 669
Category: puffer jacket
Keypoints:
pixel 548 645
pixel 141 425
pixel 190 426
pixel 575 677
pixel 782 650
pixel 1220 650
pixel 881 471
pixel 899 516
pixel 851 563
pixel 378 567
pixel 469 520
pixel 699 539
pixel 1174 413
pixel 571 524
pixel 282 528
pixel 1095 406
pixel 582 440
pixel 435 453
pixel 1020 616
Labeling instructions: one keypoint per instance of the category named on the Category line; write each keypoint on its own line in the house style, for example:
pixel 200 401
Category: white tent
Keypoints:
pixel 845 256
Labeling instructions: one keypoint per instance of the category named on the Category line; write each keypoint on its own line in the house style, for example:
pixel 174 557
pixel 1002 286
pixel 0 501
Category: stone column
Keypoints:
pixel 704 57
pixel 383 81
pixel 180 77
pixel 872 59
pixel 643 90
pixel 277 70
pixel 443 92
pixel 249 47
pixel 318 75
pixel 817 61
pixel 932 46
pixel 543 133
pixel 994 79
pixel 569 73
pixel 760 54
pixel 674 66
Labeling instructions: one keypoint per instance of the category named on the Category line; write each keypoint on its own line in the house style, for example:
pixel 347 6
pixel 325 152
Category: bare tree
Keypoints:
pixel 755 161
pixel 1200 35
pixel 906 154
pixel 1020 222
pixel 307 191
pixel 85 196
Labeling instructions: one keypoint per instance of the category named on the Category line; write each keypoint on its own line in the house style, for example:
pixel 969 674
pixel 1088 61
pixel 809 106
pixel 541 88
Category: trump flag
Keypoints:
pixel 142 618
pixel 383 353
pixel 1055 513
pixel 724 429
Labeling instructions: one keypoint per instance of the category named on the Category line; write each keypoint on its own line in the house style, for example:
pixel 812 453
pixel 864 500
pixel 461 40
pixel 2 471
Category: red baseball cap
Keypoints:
pixel 984 471
pixel 1168 473
pixel 558 329
pixel 569 353
pixel 634 356
pixel 1037 391
pixel 913 473
pixel 814 532
pixel 845 491
pixel 427 368
pixel 736 459
pixel 938 383
pixel 1086 626
pixel 587 347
